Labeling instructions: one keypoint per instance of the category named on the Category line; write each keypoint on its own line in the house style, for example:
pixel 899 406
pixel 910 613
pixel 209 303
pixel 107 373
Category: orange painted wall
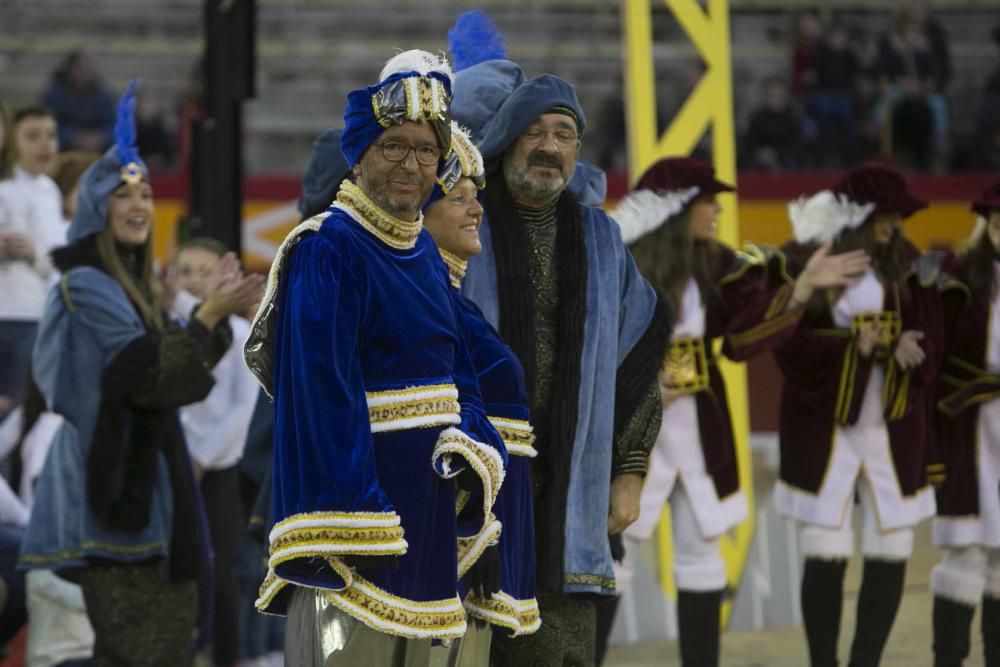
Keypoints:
pixel 761 220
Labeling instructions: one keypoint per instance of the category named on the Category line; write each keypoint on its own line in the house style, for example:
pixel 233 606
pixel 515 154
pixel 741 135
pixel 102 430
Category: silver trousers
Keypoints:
pixel 472 650
pixel 318 634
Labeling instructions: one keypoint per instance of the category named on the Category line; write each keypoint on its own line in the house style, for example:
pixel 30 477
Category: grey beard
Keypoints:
pixel 398 208
pixel 521 183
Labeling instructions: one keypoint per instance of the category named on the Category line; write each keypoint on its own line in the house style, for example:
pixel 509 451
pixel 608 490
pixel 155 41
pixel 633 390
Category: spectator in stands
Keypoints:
pixel 807 37
pixel 216 432
pixel 156 145
pixel 83 105
pixel 937 42
pixel 914 66
pixel 986 151
pixel 612 153
pixel 831 100
pixel 774 136
pixel 30 226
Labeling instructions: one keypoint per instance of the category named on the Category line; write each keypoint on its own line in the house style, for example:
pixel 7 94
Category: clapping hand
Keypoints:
pixel 228 291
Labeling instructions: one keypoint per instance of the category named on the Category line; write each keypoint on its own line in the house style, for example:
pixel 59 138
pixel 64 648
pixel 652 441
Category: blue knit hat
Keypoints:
pixel 542 94
pixel 120 164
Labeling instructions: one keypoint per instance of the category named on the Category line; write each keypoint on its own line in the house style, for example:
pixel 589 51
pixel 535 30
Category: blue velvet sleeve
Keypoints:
pixel 477 527
pixel 327 498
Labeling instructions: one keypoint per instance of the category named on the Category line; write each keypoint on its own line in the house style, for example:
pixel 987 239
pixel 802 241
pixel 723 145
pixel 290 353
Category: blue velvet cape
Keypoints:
pixel 505 399
pixel 620 307
pixel 376 407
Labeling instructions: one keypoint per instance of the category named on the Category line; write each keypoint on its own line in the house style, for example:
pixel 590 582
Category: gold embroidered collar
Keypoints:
pixel 456 267
pixel 392 231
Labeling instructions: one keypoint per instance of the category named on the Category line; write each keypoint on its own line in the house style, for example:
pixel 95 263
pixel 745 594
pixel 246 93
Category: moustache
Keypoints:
pixel 544 160
pixel 405 181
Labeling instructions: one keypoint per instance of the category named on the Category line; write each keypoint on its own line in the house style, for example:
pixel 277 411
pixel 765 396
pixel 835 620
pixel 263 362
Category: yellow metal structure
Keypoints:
pixel 709 108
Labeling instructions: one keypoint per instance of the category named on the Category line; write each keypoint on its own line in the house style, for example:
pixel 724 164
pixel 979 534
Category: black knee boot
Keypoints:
pixel 991 631
pixel 822 598
pixel 952 621
pixel 698 627
pixel 881 592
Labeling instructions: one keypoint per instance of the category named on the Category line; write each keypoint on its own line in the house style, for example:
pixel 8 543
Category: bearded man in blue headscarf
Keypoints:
pixel 377 413
pixel 556 280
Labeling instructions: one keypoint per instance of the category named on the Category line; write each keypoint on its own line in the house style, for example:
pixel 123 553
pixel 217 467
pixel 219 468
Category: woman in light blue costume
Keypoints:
pixel 377 407
pixel 500 580
pixel 116 508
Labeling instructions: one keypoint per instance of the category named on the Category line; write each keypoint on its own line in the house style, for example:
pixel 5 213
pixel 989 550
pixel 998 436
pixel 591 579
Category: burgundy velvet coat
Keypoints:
pixel 826 378
pixel 746 310
pixel 963 385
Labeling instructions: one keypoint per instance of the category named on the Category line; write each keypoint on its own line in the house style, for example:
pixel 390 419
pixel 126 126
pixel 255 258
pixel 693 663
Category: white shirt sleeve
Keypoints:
pixel 216 429
pixel 12 510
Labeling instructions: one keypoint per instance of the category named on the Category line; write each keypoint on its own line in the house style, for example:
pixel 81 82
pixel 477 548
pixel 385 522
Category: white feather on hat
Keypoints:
pixel 642 211
pixel 822 217
pixel 416 60
pixel 468 153
pixel 979 229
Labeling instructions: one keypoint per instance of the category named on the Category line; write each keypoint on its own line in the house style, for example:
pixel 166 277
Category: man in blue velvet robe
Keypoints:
pixel 559 284
pixel 376 404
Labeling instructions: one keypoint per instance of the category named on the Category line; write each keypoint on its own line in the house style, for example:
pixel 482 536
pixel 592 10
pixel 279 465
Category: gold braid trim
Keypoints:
pixel 895 390
pixel 845 392
pixel 392 231
pixel 482 458
pixel 89 546
pixel 313 542
pixel 779 302
pixel 517 435
pixel 766 329
pixel 456 267
pixel 471 548
pixel 385 612
pixel 324 534
pixel 379 609
pixel 413 407
pixel 420 409
pixel 501 609
pixel 589 580
pixel 685 365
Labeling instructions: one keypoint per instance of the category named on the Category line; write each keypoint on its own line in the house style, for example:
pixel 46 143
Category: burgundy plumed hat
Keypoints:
pixel 989 200
pixel 881 185
pixel 681 173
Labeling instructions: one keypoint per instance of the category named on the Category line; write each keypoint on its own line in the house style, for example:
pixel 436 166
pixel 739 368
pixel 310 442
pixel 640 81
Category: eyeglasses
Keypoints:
pixel 394 151
pixel 536 135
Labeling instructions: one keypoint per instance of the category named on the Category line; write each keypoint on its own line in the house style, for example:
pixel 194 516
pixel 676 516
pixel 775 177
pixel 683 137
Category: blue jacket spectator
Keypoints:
pixel 83 106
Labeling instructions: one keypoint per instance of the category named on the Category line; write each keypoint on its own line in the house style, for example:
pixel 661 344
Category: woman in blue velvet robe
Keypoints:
pixel 504 598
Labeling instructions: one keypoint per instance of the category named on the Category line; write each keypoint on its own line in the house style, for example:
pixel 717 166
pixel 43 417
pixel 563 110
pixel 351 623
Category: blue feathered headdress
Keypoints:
pixel 484 77
pixel 475 39
pixel 119 164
